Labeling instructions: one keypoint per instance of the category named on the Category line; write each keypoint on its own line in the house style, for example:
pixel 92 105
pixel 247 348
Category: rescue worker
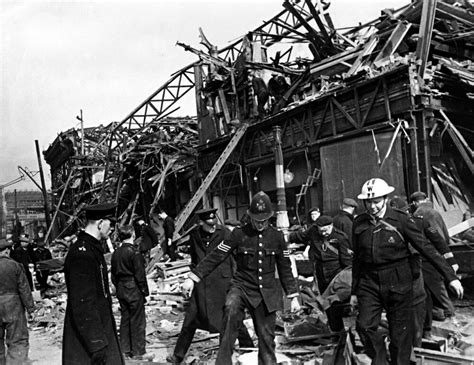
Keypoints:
pixel 168 246
pixel 437 233
pixel 148 239
pixel 206 305
pixel 41 253
pixel 260 249
pixel 313 214
pixel 382 277
pixel 344 218
pixel 128 276
pixel 329 252
pixel 21 253
pixel 90 334
pixel 15 297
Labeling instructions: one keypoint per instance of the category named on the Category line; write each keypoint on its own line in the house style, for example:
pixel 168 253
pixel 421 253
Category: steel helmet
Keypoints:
pixel 375 188
pixel 260 207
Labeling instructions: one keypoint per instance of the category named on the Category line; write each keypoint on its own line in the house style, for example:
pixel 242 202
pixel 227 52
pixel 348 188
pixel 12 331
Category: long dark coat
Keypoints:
pixel 89 324
pixel 209 294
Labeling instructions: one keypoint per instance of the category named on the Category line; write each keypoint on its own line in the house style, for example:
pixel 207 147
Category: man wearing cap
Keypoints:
pixel 15 297
pixel 90 334
pixel 260 249
pixel 382 277
pixel 344 218
pixel 206 305
pixel 330 254
pixel 21 253
pixel 128 276
pixel 148 239
pixel 437 233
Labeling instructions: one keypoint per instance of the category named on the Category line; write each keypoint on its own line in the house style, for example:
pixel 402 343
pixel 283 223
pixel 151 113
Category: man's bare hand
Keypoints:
pixel 295 305
pixel 187 288
pixel 354 302
pixel 457 288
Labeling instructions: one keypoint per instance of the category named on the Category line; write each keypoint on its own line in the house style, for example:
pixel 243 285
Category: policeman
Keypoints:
pixel 90 335
pixel 382 276
pixel 329 250
pixel 260 249
pixel 128 276
pixel 15 297
pixel 206 305
pixel 344 218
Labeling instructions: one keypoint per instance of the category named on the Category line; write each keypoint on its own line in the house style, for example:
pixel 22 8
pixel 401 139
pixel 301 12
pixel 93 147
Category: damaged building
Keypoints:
pixel 391 98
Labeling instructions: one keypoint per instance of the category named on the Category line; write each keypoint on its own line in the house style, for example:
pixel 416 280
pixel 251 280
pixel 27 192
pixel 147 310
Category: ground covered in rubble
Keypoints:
pixel 303 340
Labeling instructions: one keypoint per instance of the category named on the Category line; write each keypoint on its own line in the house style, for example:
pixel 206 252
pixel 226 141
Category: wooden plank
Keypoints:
pixel 440 358
pixel 461 227
pixel 426 30
pixel 392 43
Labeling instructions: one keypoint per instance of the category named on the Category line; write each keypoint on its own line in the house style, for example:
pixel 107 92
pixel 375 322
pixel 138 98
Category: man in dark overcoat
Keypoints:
pixel 261 250
pixel 148 239
pixel 206 305
pixel 90 334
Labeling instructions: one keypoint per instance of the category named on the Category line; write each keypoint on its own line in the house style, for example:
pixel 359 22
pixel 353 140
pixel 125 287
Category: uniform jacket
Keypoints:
pixel 328 263
pixel 378 246
pixel 22 256
pixel 433 219
pixel 15 293
pixel 258 254
pixel 89 324
pixel 149 238
pixel 40 254
pixel 343 221
pixel 128 264
pixel 209 294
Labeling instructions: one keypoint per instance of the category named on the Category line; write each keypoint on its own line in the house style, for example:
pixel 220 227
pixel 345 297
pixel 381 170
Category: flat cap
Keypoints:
pixel 205 214
pixel 417 195
pixel 100 211
pixel 350 202
pixel 4 243
pixel 399 203
pixel 324 220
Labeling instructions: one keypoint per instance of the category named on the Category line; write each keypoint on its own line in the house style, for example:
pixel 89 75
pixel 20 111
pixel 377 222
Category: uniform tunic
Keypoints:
pixel 343 221
pixel 89 324
pixel 382 278
pixel 253 286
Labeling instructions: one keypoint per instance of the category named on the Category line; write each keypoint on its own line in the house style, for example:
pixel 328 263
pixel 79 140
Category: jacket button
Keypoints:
pixel 261 286
pixel 260 269
pixel 260 253
pixel 260 244
pixel 260 236
pixel 245 252
pixel 259 261
pixel 259 278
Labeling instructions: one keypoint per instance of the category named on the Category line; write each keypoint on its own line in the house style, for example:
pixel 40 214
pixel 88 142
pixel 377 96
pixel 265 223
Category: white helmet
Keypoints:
pixel 375 188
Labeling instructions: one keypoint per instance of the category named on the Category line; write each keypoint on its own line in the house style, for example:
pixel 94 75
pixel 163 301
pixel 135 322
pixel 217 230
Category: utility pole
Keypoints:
pixel 43 187
pixel 281 213
pixel 82 132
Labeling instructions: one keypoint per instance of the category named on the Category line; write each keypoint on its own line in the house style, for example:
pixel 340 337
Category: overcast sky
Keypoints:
pixel 106 57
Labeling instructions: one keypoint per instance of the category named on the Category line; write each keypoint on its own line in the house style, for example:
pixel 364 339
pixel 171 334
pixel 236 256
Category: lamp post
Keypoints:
pixel 281 212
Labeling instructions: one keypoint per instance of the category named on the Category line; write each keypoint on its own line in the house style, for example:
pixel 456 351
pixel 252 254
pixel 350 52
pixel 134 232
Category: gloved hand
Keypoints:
pixel 99 357
pixel 187 287
pixel 457 288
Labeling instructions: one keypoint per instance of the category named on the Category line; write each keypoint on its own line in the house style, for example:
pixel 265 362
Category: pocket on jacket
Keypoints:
pixel 245 255
pixel 270 259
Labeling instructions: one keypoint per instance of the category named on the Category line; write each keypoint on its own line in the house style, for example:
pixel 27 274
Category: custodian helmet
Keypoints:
pixel 260 207
pixel 375 188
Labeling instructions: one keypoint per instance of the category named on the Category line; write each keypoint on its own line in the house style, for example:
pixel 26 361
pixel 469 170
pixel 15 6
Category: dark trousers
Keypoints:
pixel 234 314
pixel 14 343
pixel 390 289
pixel 170 250
pixel 42 278
pixel 132 321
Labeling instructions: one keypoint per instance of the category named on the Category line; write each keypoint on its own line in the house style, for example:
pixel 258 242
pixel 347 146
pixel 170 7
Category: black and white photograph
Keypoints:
pixel 237 182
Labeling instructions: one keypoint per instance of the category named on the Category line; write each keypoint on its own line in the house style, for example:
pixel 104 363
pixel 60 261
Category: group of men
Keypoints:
pixel 234 271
